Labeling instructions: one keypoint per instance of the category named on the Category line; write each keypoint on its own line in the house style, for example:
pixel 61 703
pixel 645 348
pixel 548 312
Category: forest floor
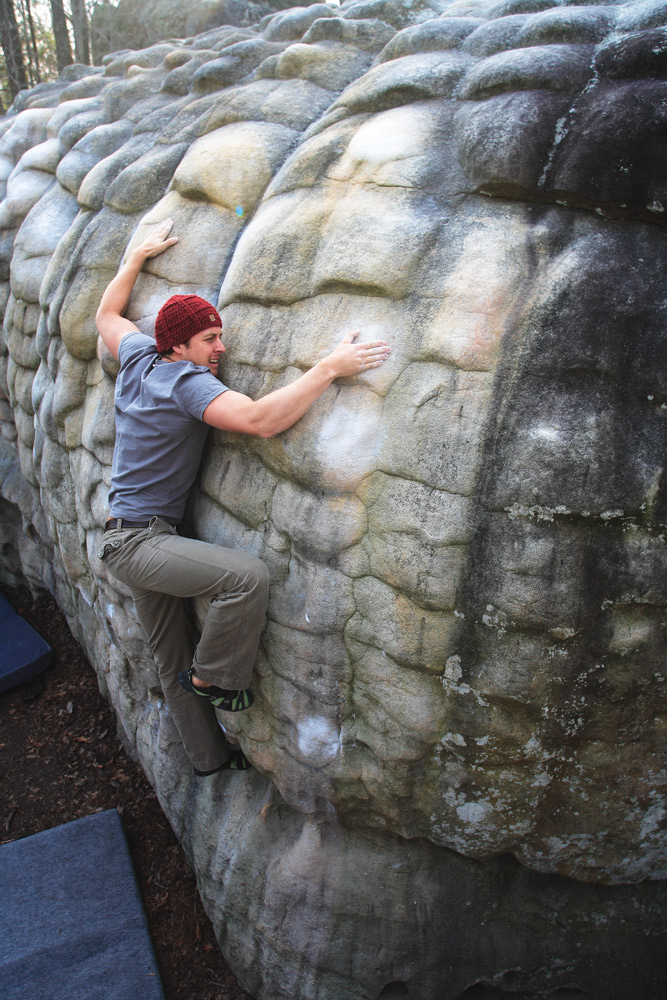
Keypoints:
pixel 60 760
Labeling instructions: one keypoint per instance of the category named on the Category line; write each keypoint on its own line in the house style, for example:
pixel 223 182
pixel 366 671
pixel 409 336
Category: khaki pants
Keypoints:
pixel 163 570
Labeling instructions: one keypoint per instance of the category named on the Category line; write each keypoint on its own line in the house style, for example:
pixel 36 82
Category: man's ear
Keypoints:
pixel 177 351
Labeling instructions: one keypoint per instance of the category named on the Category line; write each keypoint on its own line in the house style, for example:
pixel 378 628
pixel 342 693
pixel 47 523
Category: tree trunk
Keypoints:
pixel 11 47
pixel 34 59
pixel 29 41
pixel 60 33
pixel 81 31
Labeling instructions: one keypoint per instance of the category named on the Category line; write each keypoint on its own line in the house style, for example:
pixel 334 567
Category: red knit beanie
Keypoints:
pixel 181 317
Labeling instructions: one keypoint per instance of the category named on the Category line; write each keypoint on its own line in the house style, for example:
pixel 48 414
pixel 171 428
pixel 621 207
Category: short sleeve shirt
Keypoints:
pixel 160 435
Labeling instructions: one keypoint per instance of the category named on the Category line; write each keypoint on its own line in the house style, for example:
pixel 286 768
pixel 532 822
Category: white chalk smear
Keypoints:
pixel 317 738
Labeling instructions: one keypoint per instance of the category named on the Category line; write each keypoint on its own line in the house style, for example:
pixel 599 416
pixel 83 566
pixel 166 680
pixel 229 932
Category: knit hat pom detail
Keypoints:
pixel 181 317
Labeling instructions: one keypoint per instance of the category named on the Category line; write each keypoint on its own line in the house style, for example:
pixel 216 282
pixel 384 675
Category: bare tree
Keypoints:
pixel 11 47
pixel 30 41
pixel 81 31
pixel 60 33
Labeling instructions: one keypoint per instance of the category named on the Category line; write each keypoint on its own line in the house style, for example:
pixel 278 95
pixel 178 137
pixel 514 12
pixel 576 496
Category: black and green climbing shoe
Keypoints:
pixel 227 700
pixel 237 761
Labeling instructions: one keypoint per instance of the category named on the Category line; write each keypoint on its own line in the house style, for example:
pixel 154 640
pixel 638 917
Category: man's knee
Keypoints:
pixel 252 578
pixel 263 570
pixel 259 574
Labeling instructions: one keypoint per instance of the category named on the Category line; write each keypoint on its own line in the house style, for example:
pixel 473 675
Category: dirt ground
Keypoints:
pixel 60 760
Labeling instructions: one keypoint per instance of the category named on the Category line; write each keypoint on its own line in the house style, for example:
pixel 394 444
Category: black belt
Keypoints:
pixel 114 521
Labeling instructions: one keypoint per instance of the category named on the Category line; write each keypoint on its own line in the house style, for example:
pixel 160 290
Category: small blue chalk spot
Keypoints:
pixel 239 210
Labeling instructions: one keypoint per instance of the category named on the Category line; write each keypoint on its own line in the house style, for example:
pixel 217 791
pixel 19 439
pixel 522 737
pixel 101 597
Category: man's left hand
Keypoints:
pixel 350 358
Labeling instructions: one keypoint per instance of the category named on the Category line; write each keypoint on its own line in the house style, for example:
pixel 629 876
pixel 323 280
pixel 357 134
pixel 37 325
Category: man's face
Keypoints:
pixel 203 348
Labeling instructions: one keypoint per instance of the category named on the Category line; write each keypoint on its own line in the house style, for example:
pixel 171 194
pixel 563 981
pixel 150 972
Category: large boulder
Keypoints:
pixel 459 725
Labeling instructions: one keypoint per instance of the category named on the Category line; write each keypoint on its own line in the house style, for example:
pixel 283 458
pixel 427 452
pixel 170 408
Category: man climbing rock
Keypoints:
pixel 167 396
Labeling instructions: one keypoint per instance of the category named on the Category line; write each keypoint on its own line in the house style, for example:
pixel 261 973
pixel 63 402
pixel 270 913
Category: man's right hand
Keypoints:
pixel 156 242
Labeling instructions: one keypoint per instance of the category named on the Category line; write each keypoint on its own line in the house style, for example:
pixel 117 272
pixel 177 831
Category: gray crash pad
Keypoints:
pixel 72 925
pixel 23 653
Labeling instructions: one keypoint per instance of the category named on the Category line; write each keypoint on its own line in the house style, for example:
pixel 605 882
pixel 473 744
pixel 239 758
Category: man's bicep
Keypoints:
pixel 231 411
pixel 112 329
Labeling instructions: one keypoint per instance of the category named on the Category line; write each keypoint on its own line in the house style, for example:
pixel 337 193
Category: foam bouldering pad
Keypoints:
pixel 23 653
pixel 72 925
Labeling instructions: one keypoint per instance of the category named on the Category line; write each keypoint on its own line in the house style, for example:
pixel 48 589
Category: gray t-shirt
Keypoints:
pixel 159 431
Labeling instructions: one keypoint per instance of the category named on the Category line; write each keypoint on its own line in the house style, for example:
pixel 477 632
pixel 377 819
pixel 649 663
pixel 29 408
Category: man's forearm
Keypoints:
pixel 281 408
pixel 117 295
pixel 110 321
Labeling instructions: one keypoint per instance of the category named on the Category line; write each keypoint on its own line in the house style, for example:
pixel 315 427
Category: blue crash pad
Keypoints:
pixel 23 653
pixel 72 926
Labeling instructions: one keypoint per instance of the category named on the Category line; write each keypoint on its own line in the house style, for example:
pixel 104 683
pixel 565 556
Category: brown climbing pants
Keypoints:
pixel 163 570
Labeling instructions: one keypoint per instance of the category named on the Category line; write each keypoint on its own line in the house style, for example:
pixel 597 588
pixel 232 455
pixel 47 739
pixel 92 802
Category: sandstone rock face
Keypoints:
pixel 460 694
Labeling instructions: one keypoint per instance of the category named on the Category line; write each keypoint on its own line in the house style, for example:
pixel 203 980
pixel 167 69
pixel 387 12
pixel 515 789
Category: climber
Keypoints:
pixel 167 392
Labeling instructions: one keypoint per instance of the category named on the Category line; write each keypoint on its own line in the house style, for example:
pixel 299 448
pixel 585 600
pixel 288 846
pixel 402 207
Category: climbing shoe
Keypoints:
pixel 227 700
pixel 237 761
